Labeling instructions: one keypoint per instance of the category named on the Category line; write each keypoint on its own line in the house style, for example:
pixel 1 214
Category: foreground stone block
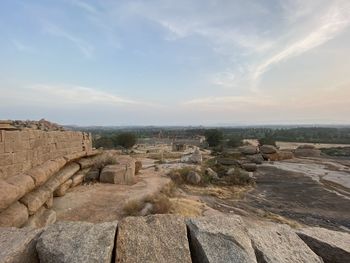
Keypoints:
pixel 67 242
pixel 42 218
pixel 16 215
pixel 78 178
pixel 18 245
pixel 220 239
pixel 62 176
pixel 275 243
pixel 332 246
pixel 117 174
pixel 160 238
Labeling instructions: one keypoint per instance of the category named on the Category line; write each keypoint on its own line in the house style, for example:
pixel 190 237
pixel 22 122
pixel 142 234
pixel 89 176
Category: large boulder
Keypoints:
pixel 332 246
pixel 249 167
pixel 193 178
pixel 196 156
pixel 220 239
pixel 18 245
pixel 14 216
pixel 256 158
pixel 307 151
pixel 268 149
pixel 276 243
pixel 117 174
pixel 24 183
pixel 77 242
pixel 156 239
pixel 248 150
pixel 8 194
pixel 78 178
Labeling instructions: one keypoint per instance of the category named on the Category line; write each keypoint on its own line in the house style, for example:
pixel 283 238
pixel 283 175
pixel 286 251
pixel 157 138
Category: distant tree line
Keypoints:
pixel 121 140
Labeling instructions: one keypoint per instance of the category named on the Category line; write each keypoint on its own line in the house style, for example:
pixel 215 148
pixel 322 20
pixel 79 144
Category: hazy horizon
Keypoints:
pixel 180 63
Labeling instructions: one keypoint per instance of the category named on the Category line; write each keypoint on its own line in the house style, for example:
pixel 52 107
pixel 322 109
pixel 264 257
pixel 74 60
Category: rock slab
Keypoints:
pixel 220 239
pixel 153 239
pixel 332 246
pixel 77 242
pixel 18 245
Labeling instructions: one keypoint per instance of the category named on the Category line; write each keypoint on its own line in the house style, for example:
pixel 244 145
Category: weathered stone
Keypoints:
pixel 268 149
pixel 138 166
pixel 211 173
pixel 220 239
pixel 158 238
pixel 14 216
pixel 92 175
pixel 276 243
pixel 86 162
pixel 42 218
pixel 78 178
pixel 36 199
pixel 49 202
pixel 74 156
pixel 24 183
pixel 193 178
pixel 18 245
pixel 285 155
pixel 117 174
pixel 62 176
pixel 248 150
pixel 77 242
pixel 332 246
pixel 256 158
pixel 62 189
pixel 196 156
pixel 250 167
pixel 8 194
pixel 43 172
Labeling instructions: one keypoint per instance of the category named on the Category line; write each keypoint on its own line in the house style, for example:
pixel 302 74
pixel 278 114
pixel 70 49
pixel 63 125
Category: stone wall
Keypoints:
pixel 21 150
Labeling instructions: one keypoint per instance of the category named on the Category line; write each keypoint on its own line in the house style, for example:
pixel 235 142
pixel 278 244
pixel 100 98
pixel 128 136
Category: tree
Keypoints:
pixel 213 137
pixel 126 140
pixel 104 142
pixel 269 140
pixel 234 142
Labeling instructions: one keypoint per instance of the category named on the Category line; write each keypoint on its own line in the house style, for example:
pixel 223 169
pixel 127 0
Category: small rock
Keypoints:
pixel 193 178
pixel 249 167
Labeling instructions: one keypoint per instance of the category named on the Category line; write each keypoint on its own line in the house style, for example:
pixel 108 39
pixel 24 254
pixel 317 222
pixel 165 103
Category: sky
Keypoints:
pixel 184 62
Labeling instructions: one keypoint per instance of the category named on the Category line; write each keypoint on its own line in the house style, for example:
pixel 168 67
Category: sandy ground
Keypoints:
pixel 104 202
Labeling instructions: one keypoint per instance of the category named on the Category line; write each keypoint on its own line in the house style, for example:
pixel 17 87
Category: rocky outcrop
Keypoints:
pixel 67 242
pixel 332 246
pixel 268 149
pixel 18 245
pixel 220 239
pixel 155 239
pixel 248 150
pixel 274 243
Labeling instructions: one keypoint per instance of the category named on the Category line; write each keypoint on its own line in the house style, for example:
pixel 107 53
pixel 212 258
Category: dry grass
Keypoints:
pixel 186 207
pixel 282 220
pixel 221 192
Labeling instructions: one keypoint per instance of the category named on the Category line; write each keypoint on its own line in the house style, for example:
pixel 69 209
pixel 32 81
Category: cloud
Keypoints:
pixel 86 48
pixel 63 95
pixel 330 25
pixel 22 47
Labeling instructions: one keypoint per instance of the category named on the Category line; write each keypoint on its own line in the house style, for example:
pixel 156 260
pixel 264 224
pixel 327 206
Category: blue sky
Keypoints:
pixel 175 62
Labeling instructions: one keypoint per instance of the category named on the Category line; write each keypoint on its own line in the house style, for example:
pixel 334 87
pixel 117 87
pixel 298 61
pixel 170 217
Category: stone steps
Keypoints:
pixel 170 238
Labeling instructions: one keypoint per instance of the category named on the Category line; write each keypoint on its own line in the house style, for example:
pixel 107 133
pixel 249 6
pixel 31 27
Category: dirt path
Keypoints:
pixel 104 202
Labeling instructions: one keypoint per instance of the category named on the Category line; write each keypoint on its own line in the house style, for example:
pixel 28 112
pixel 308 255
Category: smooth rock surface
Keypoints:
pixel 68 242
pixel 276 243
pixel 18 245
pixel 153 239
pixel 332 246
pixel 220 239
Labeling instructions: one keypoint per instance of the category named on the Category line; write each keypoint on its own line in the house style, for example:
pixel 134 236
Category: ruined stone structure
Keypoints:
pixel 35 166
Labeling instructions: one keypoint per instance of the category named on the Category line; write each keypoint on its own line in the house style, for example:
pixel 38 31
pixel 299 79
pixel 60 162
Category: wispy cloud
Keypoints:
pixel 22 47
pixel 331 24
pixel 86 48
